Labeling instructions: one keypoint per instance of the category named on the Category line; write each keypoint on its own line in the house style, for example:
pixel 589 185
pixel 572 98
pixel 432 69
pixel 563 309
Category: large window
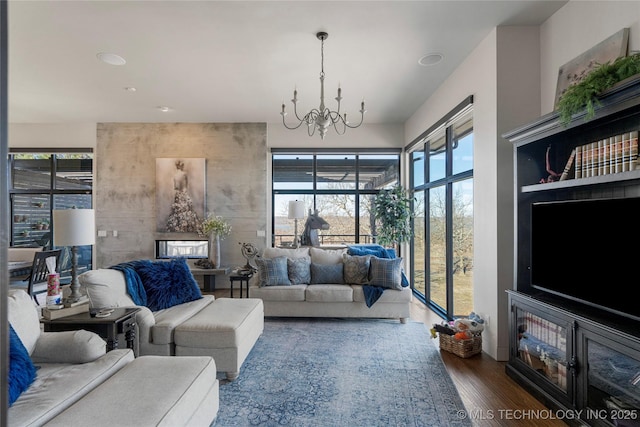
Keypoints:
pixel 339 185
pixel 441 171
pixel 41 182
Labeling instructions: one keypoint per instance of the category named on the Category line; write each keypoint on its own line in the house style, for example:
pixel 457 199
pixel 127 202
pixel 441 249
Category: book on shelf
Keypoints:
pixel 615 154
pixel 578 161
pixel 568 166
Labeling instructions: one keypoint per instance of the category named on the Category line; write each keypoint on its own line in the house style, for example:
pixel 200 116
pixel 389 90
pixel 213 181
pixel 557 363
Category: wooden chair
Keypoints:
pixel 38 278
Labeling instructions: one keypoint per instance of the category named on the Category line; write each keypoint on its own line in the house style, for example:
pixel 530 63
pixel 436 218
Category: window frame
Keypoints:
pixel 314 192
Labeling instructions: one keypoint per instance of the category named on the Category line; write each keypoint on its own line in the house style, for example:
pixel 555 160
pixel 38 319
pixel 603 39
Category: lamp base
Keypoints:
pixel 72 302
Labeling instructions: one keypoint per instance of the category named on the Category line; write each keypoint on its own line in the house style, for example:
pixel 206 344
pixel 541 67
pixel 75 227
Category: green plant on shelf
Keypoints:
pixel 584 95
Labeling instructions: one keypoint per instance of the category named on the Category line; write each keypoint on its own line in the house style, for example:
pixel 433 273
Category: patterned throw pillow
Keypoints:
pixel 386 273
pixel 356 269
pixel 322 274
pixel 299 270
pixel 273 272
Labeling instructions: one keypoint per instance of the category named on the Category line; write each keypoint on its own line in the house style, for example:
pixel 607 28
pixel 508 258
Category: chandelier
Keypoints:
pixel 322 118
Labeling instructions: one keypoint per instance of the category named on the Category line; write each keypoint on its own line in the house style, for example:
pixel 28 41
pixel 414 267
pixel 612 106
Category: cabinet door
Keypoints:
pixel 609 381
pixel 542 350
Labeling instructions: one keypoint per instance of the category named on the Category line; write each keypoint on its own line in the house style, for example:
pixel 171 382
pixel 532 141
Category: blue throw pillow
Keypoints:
pixel 321 273
pixel 168 283
pixel 22 371
pixel 273 272
pixel 299 270
pixel 386 273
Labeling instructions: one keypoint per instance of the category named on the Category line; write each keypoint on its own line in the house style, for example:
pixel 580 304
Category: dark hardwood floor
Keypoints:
pixel 489 395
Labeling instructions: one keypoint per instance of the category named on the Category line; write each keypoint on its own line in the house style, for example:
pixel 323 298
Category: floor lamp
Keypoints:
pixel 296 212
pixel 74 227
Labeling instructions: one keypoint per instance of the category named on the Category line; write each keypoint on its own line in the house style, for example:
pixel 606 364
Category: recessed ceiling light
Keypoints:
pixel 111 58
pixel 164 109
pixel 430 59
pixel 130 89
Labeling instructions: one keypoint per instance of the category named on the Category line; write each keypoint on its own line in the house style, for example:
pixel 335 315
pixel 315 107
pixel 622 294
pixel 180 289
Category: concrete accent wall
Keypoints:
pixel 125 176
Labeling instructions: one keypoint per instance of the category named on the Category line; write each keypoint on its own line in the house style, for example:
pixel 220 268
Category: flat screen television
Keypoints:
pixel 585 250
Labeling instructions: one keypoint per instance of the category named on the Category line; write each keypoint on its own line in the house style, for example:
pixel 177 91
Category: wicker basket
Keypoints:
pixel 461 348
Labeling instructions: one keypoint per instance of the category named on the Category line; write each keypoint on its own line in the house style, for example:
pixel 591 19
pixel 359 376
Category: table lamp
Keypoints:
pixel 74 227
pixel 296 212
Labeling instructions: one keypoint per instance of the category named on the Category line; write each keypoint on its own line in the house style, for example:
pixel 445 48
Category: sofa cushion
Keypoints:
pixel 106 287
pixel 58 386
pixel 23 317
pixel 166 320
pixel 386 273
pixel 285 252
pixel 22 371
pixel 356 269
pixel 326 256
pixel 150 391
pixel 279 293
pixel 299 270
pixel 389 295
pixel 321 273
pixel 273 272
pixel 168 283
pixel 329 293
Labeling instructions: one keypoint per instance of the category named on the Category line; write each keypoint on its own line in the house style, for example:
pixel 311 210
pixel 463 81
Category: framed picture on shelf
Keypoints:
pixel 577 69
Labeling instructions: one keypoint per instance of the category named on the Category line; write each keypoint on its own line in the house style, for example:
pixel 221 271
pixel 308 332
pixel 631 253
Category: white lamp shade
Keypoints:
pixel 74 227
pixel 296 209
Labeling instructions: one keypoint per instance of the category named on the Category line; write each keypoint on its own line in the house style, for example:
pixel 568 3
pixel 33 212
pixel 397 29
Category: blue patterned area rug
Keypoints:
pixel 339 372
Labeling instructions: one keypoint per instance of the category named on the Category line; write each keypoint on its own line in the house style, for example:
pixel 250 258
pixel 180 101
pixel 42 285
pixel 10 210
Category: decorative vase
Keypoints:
pixel 214 249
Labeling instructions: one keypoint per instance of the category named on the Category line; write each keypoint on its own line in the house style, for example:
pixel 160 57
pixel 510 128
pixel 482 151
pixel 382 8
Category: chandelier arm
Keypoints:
pixel 344 126
pixel 358 125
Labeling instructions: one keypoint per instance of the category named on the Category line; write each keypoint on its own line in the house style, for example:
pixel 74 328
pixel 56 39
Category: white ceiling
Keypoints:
pixel 237 61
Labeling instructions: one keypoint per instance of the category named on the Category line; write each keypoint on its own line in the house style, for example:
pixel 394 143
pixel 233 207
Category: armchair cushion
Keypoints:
pixel 22 371
pixel 68 347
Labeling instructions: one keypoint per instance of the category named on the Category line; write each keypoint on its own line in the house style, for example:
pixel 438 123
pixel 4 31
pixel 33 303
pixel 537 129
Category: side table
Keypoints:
pixel 209 282
pixel 243 279
pixel 121 321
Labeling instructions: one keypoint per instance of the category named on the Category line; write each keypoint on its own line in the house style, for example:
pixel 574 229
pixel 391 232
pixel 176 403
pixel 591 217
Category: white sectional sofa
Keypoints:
pixel 225 329
pixel 78 384
pixel 342 296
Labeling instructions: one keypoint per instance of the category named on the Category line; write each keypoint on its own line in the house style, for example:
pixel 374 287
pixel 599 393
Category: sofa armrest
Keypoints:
pixel 68 347
pixel 145 320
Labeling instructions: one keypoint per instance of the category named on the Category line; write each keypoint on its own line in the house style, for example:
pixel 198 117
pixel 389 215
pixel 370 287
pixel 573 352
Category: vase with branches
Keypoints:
pixel 215 228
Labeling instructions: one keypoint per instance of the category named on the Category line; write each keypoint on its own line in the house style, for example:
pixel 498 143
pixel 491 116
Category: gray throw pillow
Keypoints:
pixel 321 274
pixel 273 272
pixel 386 273
pixel 356 269
pixel 299 270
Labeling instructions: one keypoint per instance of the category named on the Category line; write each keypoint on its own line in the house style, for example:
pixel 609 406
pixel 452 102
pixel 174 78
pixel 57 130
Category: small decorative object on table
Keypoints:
pixel 462 337
pixel 249 252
